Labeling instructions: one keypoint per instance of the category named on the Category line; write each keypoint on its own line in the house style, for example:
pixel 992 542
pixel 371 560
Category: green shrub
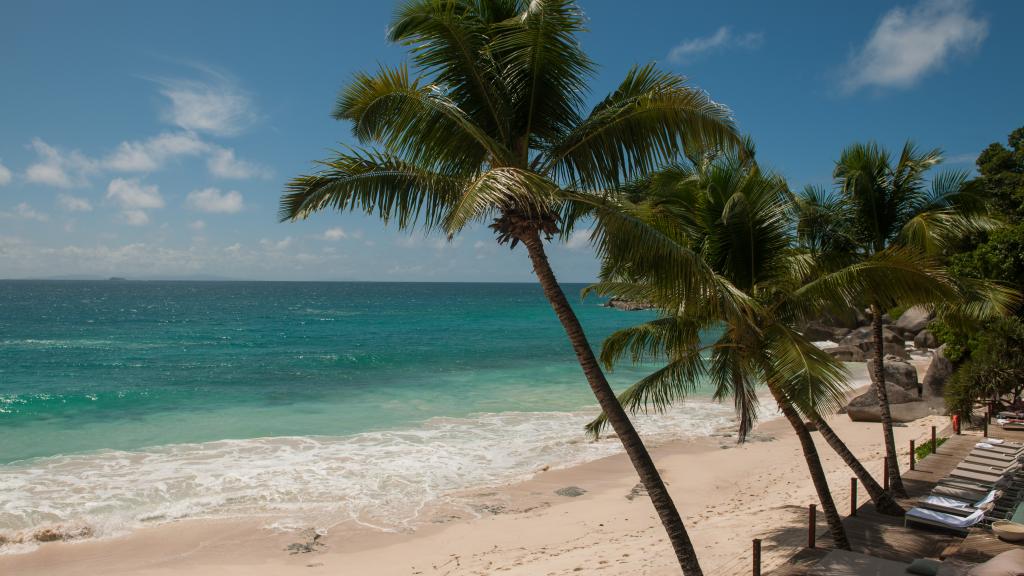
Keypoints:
pixel 926 448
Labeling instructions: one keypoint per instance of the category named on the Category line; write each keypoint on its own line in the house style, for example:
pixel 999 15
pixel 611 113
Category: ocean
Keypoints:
pixel 124 403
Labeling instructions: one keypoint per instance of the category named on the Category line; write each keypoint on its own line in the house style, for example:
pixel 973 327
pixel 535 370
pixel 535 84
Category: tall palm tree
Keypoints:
pixel 491 127
pixel 884 211
pixel 737 218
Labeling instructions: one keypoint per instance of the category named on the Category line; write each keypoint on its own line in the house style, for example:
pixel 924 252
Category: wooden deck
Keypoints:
pixel 886 537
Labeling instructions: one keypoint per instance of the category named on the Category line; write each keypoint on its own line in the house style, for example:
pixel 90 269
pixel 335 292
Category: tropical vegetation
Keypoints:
pixel 884 210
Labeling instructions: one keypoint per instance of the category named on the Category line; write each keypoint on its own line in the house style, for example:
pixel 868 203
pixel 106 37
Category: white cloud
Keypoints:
pixel 5 175
pixel 56 168
pixel 908 44
pixel 722 38
pixel 24 211
pixel 135 217
pixel 335 234
pixel 223 164
pixel 134 198
pixel 213 200
pixel 73 204
pixel 579 240
pixel 270 245
pixel 216 107
pixel 197 225
pixel 152 154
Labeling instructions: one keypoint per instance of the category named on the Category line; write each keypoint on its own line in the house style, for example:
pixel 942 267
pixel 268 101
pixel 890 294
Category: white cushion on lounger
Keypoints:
pixel 945 519
pixel 947 502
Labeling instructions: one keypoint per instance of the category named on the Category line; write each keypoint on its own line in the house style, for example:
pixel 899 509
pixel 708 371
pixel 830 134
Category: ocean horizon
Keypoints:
pixel 129 403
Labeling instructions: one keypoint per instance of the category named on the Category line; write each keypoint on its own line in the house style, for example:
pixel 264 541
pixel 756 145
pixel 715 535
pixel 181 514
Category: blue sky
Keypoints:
pixel 148 139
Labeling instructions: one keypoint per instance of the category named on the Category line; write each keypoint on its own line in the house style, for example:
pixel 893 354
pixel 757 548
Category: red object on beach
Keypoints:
pixel 956 423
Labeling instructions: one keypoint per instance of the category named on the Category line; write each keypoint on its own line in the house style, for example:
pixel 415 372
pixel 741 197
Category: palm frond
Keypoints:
pixel 679 378
pixel 645 123
pixel 415 120
pixel 503 189
pixel 544 67
pixel 893 276
pixel 374 183
pixel 449 39
pixel 811 379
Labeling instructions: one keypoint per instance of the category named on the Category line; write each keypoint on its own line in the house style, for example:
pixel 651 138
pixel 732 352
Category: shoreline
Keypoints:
pixel 524 527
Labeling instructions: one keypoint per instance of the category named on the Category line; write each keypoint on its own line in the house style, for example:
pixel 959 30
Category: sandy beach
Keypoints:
pixel 728 494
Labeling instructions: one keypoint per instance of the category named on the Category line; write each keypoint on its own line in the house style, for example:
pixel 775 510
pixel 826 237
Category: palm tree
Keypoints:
pixel 885 212
pixel 491 127
pixel 737 218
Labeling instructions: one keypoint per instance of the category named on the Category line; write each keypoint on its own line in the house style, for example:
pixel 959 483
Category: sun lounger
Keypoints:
pixel 958 506
pixel 999 450
pixel 943 520
pixel 1001 442
pixel 983 478
pixel 962 493
pixel 1002 470
pixel 988 456
pixel 982 486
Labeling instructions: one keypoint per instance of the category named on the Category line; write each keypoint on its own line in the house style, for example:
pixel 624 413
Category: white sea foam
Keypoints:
pixel 379 479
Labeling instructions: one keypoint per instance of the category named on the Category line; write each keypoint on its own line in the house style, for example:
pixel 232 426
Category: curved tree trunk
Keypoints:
pixel 884 502
pixel 828 505
pixel 895 482
pixel 617 417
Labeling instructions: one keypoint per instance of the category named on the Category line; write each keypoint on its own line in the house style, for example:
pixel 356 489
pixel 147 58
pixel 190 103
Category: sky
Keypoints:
pixel 153 140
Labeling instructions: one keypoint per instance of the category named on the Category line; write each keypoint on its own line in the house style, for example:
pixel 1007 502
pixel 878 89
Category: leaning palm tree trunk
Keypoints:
pixel 617 417
pixel 885 415
pixel 828 505
pixel 884 502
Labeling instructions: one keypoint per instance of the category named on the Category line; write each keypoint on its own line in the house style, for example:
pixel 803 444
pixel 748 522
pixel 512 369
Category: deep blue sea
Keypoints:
pixel 126 402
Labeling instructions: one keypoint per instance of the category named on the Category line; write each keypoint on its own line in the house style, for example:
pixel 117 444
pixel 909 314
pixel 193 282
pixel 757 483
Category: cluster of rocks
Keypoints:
pixel 909 399
pixel 855 337
pixel 628 305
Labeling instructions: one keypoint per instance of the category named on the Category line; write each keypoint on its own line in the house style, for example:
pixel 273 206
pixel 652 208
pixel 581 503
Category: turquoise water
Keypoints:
pixel 126 402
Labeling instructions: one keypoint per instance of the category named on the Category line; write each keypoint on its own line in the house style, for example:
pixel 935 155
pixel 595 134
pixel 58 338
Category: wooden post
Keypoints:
pixel 934 445
pixel 885 473
pixel 912 455
pixel 853 496
pixel 757 557
pixel 811 525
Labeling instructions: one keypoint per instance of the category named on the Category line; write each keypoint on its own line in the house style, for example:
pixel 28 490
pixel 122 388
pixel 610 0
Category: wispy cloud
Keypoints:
pixel 24 211
pixel 223 164
pixel 579 240
pixel 134 198
pixel 5 175
pixel 73 203
pixel 57 168
pixel 214 201
pixel 151 154
pixel 723 38
pixel 334 234
pixel 214 105
pixel 907 44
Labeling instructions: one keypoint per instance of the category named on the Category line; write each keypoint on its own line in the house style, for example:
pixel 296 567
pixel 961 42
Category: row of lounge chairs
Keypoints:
pixel 985 486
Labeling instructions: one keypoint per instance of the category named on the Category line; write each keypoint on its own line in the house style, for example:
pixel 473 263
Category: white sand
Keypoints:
pixel 728 495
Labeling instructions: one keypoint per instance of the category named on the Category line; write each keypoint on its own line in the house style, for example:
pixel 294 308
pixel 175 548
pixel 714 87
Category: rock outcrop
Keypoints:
pixel 846 353
pixel 896 372
pixel 627 305
pixel 912 321
pixel 904 406
pixel 938 373
pixel 926 339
